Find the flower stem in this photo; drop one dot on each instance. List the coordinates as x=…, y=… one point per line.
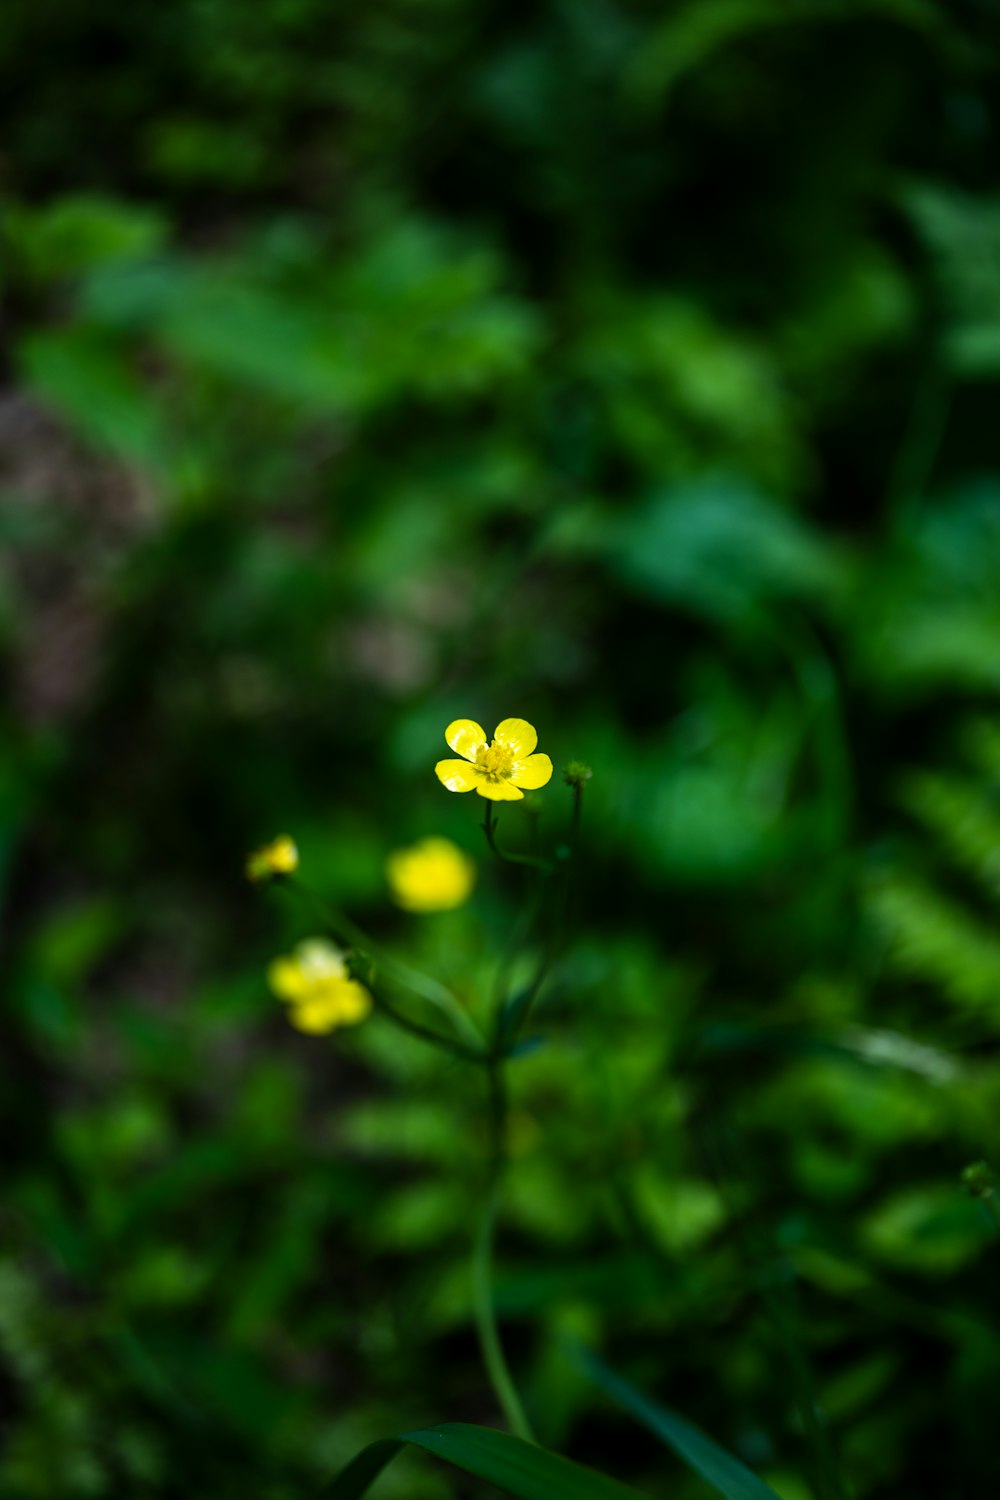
x=427, y=1033
x=568, y=913
x=574, y=827
x=412, y=979
x=482, y=1264
x=561, y=927
x=489, y=828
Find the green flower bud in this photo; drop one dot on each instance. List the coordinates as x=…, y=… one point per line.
x=577, y=774
x=979, y=1180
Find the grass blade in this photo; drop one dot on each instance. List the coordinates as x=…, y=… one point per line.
x=517, y=1467
x=717, y=1467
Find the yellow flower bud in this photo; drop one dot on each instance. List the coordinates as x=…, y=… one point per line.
x=280, y=857
x=432, y=875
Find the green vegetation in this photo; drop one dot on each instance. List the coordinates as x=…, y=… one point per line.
x=630, y=368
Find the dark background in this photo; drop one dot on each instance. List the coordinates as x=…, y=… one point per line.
x=629, y=367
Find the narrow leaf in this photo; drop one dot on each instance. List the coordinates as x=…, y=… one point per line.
x=720, y=1469
x=514, y=1011
x=515, y=1466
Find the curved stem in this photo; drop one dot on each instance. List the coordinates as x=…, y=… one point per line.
x=559, y=930
x=412, y=979
x=427, y=1033
x=482, y=1265
x=573, y=860
x=489, y=828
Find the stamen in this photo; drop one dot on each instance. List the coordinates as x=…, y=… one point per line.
x=495, y=761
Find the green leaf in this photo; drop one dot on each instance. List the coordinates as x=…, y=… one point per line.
x=91, y=384
x=515, y=1466
x=80, y=232
x=690, y=38
x=723, y=551
x=514, y=1011
x=717, y=1467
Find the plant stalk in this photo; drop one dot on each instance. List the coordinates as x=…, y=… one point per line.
x=482, y=1264
x=489, y=829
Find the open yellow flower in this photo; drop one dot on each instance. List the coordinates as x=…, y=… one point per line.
x=279, y=857
x=503, y=770
x=320, y=994
x=432, y=875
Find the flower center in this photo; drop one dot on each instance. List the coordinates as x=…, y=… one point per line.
x=495, y=761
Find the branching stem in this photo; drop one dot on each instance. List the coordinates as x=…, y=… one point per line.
x=489, y=828
x=342, y=927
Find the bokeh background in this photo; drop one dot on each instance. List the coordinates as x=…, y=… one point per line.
x=630, y=367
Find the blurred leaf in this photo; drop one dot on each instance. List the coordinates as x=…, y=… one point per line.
x=688, y=38
x=935, y=616
x=363, y=341
x=682, y=1213
x=80, y=232
x=516, y=1467
x=717, y=1467
x=722, y=551
x=931, y=1229
x=90, y=382
x=712, y=801
x=932, y=938
x=74, y=939
x=963, y=234
x=685, y=394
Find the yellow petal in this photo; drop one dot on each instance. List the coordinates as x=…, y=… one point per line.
x=283, y=855
x=338, y=1002
x=518, y=735
x=499, y=791
x=279, y=857
x=465, y=736
x=287, y=980
x=532, y=772
x=354, y=1001
x=320, y=960
x=457, y=775
x=315, y=1016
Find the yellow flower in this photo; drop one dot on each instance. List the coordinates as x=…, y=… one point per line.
x=320, y=993
x=502, y=770
x=279, y=857
x=432, y=875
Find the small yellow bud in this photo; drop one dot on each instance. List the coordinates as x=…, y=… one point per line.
x=279, y=857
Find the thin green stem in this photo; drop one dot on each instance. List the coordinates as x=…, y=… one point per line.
x=427, y=1033
x=489, y=828
x=482, y=1264
x=560, y=928
x=482, y=1261
x=519, y=933
x=420, y=984
x=573, y=861
x=921, y=443
x=574, y=827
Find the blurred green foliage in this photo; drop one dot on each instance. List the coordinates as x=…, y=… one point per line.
x=629, y=367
